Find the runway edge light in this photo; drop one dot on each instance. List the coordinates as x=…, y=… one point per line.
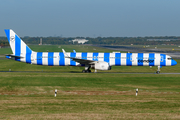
x=55, y=93
x=136, y=91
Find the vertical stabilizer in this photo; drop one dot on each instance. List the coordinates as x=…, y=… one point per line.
x=18, y=47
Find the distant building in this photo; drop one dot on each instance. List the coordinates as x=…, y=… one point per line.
x=40, y=41
x=82, y=41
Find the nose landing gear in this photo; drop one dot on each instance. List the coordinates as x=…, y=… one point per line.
x=158, y=70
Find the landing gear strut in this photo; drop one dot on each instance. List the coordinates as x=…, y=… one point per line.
x=87, y=69
x=158, y=70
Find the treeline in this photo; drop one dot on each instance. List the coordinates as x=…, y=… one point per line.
x=3, y=41
x=133, y=40
x=98, y=40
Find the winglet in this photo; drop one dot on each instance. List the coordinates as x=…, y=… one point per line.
x=65, y=53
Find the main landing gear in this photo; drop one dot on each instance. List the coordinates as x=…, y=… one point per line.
x=158, y=70
x=87, y=69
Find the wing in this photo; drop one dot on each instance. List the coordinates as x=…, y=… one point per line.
x=79, y=60
x=82, y=61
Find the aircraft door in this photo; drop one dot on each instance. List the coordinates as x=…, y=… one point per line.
x=33, y=58
x=162, y=60
x=131, y=58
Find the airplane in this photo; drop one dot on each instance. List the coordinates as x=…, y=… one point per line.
x=98, y=61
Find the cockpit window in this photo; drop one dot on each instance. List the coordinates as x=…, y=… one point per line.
x=169, y=58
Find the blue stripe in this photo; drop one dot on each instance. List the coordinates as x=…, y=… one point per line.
x=129, y=59
x=39, y=58
x=61, y=59
x=73, y=63
x=106, y=57
x=28, y=55
x=50, y=58
x=117, y=58
x=17, y=47
x=28, y=50
x=140, y=59
x=8, y=34
x=95, y=56
x=162, y=60
x=151, y=59
x=84, y=56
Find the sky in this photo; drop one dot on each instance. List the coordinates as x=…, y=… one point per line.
x=90, y=18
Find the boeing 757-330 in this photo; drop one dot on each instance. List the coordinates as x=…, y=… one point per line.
x=90, y=60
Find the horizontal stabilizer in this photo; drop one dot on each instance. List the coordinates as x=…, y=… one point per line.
x=12, y=56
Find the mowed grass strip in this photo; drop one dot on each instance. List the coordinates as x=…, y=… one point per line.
x=147, y=105
x=102, y=81
x=90, y=107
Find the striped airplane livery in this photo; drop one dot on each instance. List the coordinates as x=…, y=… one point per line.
x=98, y=61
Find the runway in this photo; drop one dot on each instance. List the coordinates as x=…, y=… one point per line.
x=83, y=73
x=173, y=54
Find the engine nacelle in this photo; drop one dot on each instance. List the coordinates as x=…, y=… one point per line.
x=101, y=66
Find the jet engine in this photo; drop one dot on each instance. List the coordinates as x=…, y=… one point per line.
x=101, y=66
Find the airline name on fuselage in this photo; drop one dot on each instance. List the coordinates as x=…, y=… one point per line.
x=146, y=61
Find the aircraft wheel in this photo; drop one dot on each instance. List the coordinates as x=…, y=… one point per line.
x=158, y=72
x=86, y=71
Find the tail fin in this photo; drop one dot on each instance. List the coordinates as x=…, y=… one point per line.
x=18, y=47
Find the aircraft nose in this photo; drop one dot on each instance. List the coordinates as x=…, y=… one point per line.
x=173, y=62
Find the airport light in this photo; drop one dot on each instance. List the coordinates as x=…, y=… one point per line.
x=136, y=91
x=55, y=93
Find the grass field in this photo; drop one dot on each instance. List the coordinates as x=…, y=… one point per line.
x=30, y=95
x=58, y=48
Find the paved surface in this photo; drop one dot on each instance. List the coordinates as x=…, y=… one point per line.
x=83, y=73
x=174, y=54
